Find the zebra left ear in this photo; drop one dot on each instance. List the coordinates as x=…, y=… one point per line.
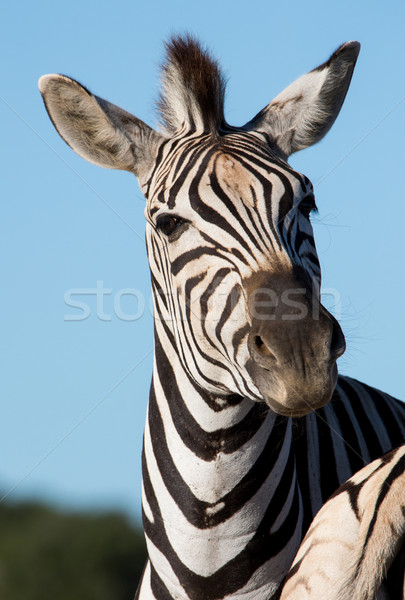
x=102, y=133
x=305, y=111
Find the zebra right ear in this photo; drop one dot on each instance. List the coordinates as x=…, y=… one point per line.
x=97, y=130
x=305, y=111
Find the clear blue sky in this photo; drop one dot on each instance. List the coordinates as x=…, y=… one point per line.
x=74, y=393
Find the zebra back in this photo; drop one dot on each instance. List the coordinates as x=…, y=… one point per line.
x=354, y=538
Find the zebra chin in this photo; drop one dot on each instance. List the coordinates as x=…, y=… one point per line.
x=294, y=395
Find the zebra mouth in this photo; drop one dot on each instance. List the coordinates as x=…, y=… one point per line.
x=292, y=393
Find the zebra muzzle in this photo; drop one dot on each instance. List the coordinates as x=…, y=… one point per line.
x=293, y=357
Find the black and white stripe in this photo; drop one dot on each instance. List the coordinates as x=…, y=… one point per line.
x=248, y=430
x=259, y=478
x=355, y=539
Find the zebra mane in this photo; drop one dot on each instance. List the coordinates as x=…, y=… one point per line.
x=193, y=88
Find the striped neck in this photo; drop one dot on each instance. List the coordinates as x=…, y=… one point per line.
x=221, y=504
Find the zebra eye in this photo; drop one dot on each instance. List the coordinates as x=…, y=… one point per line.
x=307, y=205
x=167, y=224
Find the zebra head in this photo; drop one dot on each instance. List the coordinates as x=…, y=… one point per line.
x=235, y=273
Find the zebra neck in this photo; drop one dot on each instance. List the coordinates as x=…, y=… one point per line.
x=219, y=487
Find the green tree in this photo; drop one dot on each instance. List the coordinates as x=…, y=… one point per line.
x=49, y=554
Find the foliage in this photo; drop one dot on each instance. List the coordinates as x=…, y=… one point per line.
x=49, y=554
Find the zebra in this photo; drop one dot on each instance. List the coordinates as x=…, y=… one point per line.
x=249, y=430
x=355, y=538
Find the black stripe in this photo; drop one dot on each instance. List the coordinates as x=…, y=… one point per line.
x=230, y=206
x=362, y=418
x=300, y=440
x=327, y=460
x=237, y=253
x=195, y=254
x=176, y=186
x=205, y=444
x=349, y=435
x=205, y=297
x=196, y=511
x=159, y=589
x=231, y=302
x=382, y=405
x=188, y=153
x=191, y=283
x=397, y=471
x=209, y=214
x=236, y=573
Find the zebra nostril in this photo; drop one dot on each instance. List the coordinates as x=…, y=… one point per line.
x=261, y=346
x=338, y=343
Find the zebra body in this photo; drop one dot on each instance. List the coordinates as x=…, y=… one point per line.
x=261, y=488
x=244, y=441
x=354, y=538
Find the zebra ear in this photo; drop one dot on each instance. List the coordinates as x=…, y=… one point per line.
x=305, y=111
x=97, y=130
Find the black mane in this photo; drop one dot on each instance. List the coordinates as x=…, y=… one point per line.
x=193, y=88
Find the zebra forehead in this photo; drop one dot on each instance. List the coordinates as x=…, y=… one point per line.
x=235, y=179
x=239, y=166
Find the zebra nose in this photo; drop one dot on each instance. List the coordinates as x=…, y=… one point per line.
x=290, y=343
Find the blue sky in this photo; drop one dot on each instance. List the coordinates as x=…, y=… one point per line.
x=74, y=392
